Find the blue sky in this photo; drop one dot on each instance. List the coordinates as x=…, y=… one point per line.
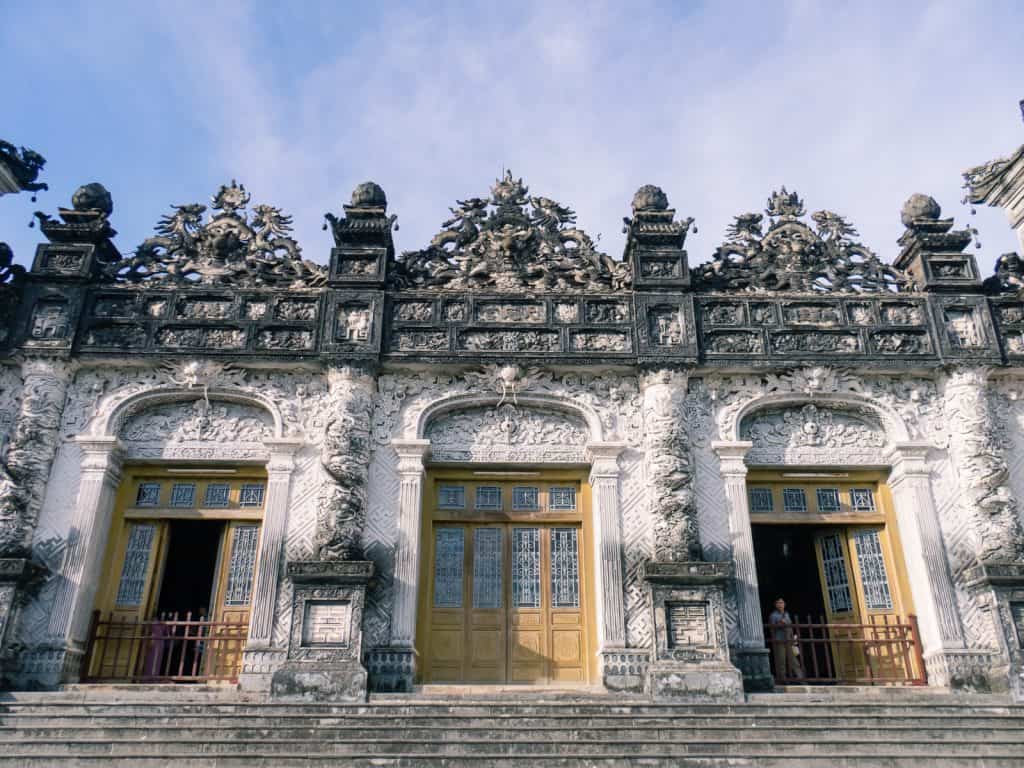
x=855, y=105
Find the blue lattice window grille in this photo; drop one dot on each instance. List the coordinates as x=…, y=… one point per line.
x=217, y=495
x=526, y=497
x=148, y=495
x=873, y=574
x=761, y=500
x=525, y=567
x=451, y=497
x=828, y=499
x=862, y=499
x=488, y=568
x=565, y=568
x=448, y=563
x=244, y=540
x=183, y=494
x=794, y=500
x=562, y=498
x=136, y=563
x=488, y=497
x=251, y=495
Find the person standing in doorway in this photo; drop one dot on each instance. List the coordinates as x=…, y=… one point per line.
x=784, y=649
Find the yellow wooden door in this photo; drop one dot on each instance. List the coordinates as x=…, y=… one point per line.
x=528, y=615
x=841, y=605
x=232, y=598
x=446, y=640
x=568, y=661
x=486, y=626
x=878, y=603
x=119, y=650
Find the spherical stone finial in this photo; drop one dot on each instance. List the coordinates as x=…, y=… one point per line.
x=369, y=194
x=650, y=198
x=93, y=197
x=919, y=206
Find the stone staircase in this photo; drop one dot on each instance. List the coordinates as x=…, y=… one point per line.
x=199, y=728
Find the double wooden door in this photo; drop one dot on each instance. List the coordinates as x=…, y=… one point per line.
x=506, y=604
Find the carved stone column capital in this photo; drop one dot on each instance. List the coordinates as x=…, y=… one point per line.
x=604, y=459
x=101, y=454
x=731, y=454
x=282, y=454
x=411, y=455
x=909, y=459
x=664, y=377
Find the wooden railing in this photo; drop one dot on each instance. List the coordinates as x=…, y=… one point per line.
x=885, y=651
x=166, y=649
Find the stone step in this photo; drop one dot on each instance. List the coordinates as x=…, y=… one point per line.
x=521, y=748
x=256, y=760
x=664, y=732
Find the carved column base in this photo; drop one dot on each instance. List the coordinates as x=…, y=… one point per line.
x=755, y=667
x=45, y=667
x=16, y=573
x=392, y=670
x=325, y=647
x=1004, y=585
x=970, y=670
x=625, y=669
x=691, y=651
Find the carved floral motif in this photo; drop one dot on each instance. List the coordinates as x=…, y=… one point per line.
x=200, y=421
x=507, y=433
x=500, y=244
x=813, y=435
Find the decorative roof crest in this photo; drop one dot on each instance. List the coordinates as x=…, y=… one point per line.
x=22, y=167
x=791, y=256
x=229, y=249
x=498, y=245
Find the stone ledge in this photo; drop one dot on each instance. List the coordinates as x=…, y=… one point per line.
x=686, y=572
x=332, y=571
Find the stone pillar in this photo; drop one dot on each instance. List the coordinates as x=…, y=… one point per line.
x=260, y=660
x=87, y=541
x=394, y=668
x=750, y=653
x=611, y=613
x=947, y=660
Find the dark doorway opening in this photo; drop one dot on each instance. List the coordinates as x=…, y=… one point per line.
x=787, y=567
x=190, y=568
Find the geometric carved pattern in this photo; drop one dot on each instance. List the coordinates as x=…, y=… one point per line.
x=379, y=541
x=638, y=546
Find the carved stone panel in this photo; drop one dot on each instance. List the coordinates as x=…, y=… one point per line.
x=197, y=429
x=508, y=434
x=813, y=435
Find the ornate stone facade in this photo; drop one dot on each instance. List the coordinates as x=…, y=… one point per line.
x=511, y=343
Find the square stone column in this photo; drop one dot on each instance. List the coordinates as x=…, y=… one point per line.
x=394, y=668
x=750, y=652
x=83, y=560
x=259, y=660
x=691, y=647
x=618, y=669
x=325, y=646
x=947, y=660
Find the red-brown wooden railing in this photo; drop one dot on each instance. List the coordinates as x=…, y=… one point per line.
x=885, y=651
x=166, y=649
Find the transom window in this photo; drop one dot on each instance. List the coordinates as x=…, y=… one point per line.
x=488, y=497
x=217, y=495
x=251, y=495
x=794, y=500
x=526, y=497
x=148, y=495
x=829, y=498
x=200, y=494
x=862, y=500
x=562, y=498
x=451, y=496
x=761, y=500
x=183, y=495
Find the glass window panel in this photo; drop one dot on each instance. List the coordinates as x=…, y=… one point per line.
x=448, y=556
x=794, y=500
x=872, y=570
x=148, y=495
x=136, y=562
x=562, y=498
x=451, y=497
x=525, y=567
x=761, y=500
x=183, y=494
x=828, y=499
x=243, y=563
x=216, y=495
x=488, y=497
x=836, y=582
x=251, y=495
x=565, y=568
x=487, y=568
x=862, y=499
x=525, y=497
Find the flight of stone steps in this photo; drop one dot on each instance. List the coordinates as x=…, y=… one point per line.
x=193, y=729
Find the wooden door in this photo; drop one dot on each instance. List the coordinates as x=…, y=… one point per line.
x=446, y=640
x=841, y=605
x=232, y=598
x=565, y=598
x=528, y=615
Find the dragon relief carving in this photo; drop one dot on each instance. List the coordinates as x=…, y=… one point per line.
x=790, y=256
x=975, y=447
x=499, y=245
x=345, y=456
x=229, y=249
x=669, y=470
x=24, y=165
